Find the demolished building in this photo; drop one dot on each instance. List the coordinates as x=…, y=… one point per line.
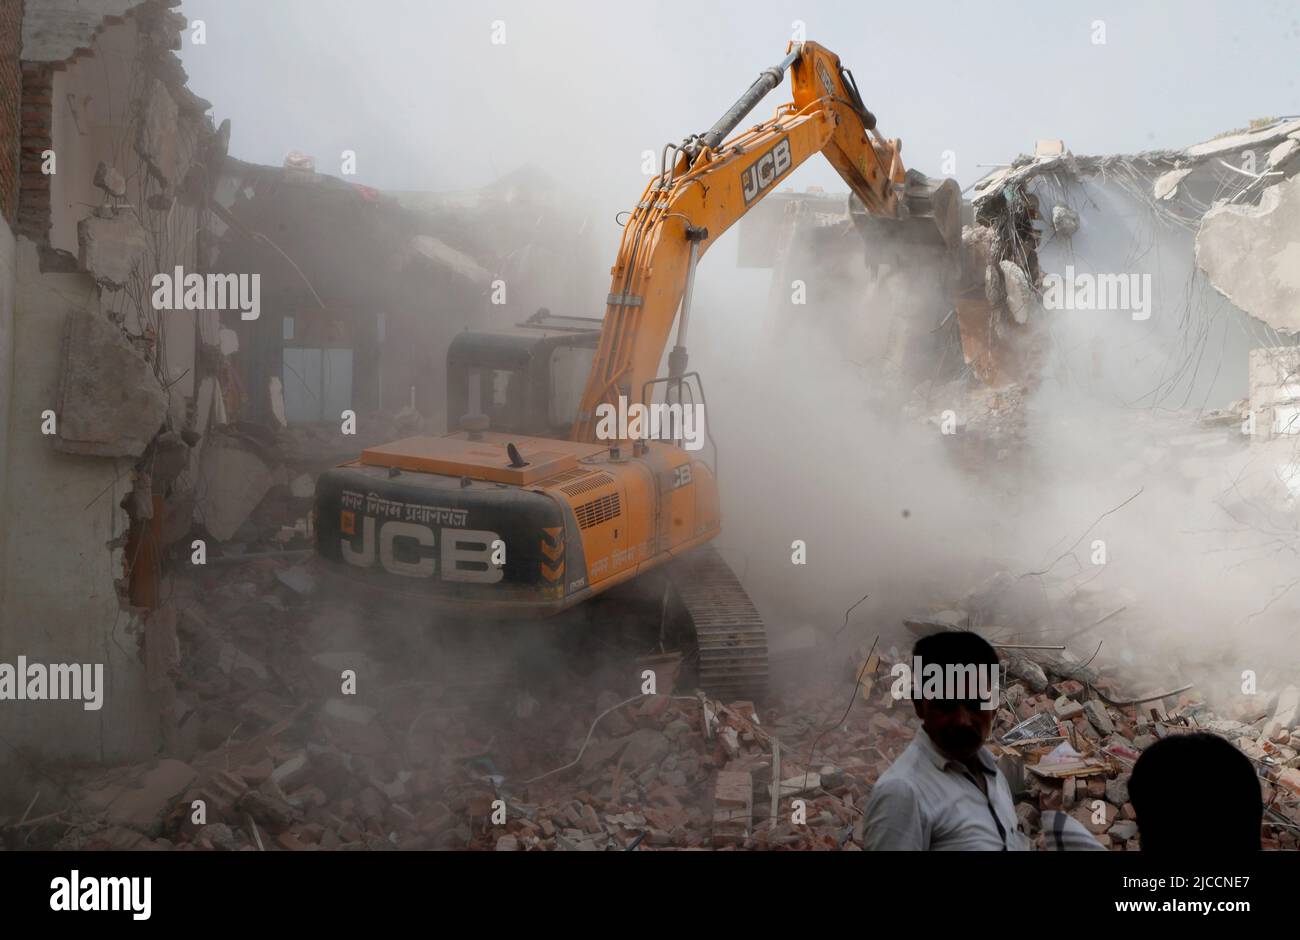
x=145, y=426
x=113, y=155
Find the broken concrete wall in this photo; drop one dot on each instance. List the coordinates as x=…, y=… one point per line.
x=1251, y=254
x=1132, y=317
x=1175, y=341
x=109, y=400
x=96, y=371
x=58, y=30
x=97, y=120
x=62, y=518
x=357, y=288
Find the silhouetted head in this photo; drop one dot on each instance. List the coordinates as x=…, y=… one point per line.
x=1196, y=793
x=958, y=723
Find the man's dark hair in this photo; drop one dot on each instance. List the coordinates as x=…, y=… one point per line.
x=955, y=648
x=1196, y=793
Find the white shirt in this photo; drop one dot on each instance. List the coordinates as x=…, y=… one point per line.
x=928, y=802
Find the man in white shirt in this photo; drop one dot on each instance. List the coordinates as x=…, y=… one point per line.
x=945, y=792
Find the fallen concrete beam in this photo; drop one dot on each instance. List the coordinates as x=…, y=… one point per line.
x=111, y=404
x=233, y=478
x=110, y=247
x=1251, y=254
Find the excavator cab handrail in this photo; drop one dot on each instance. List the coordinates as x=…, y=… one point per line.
x=680, y=381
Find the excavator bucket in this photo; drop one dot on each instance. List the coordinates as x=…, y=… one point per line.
x=930, y=216
x=937, y=202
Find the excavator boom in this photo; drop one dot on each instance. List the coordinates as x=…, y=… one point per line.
x=708, y=183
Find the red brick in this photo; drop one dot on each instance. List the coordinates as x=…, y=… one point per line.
x=11, y=93
x=733, y=801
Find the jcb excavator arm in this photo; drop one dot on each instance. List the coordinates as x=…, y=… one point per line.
x=708, y=185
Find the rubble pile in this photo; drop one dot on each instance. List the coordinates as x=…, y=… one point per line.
x=307, y=728
x=990, y=427
x=282, y=757
x=1078, y=750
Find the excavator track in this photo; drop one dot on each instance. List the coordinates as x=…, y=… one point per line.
x=730, y=635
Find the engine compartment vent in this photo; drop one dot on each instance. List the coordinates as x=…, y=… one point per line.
x=577, y=473
x=601, y=509
x=593, y=480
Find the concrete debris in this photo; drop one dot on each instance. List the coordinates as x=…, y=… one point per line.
x=1021, y=298
x=991, y=420
x=111, y=247
x=1065, y=220
x=1251, y=254
x=144, y=797
x=1166, y=184
x=111, y=405
x=803, y=783
x=430, y=249
x=156, y=131
x=168, y=456
x=1283, y=152
x=303, y=486
x=233, y=658
x=1286, y=715
x=1096, y=713
x=298, y=580
x=288, y=775
x=1066, y=708
x=644, y=747
x=1117, y=789
x=1234, y=142
x=110, y=180
x=233, y=478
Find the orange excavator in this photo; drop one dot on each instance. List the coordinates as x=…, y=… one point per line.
x=552, y=492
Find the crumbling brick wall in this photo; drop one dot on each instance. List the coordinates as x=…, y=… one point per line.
x=11, y=83
x=36, y=138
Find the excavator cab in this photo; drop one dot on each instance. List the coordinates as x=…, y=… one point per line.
x=527, y=380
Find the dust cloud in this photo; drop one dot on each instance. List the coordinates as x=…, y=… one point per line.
x=1140, y=539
